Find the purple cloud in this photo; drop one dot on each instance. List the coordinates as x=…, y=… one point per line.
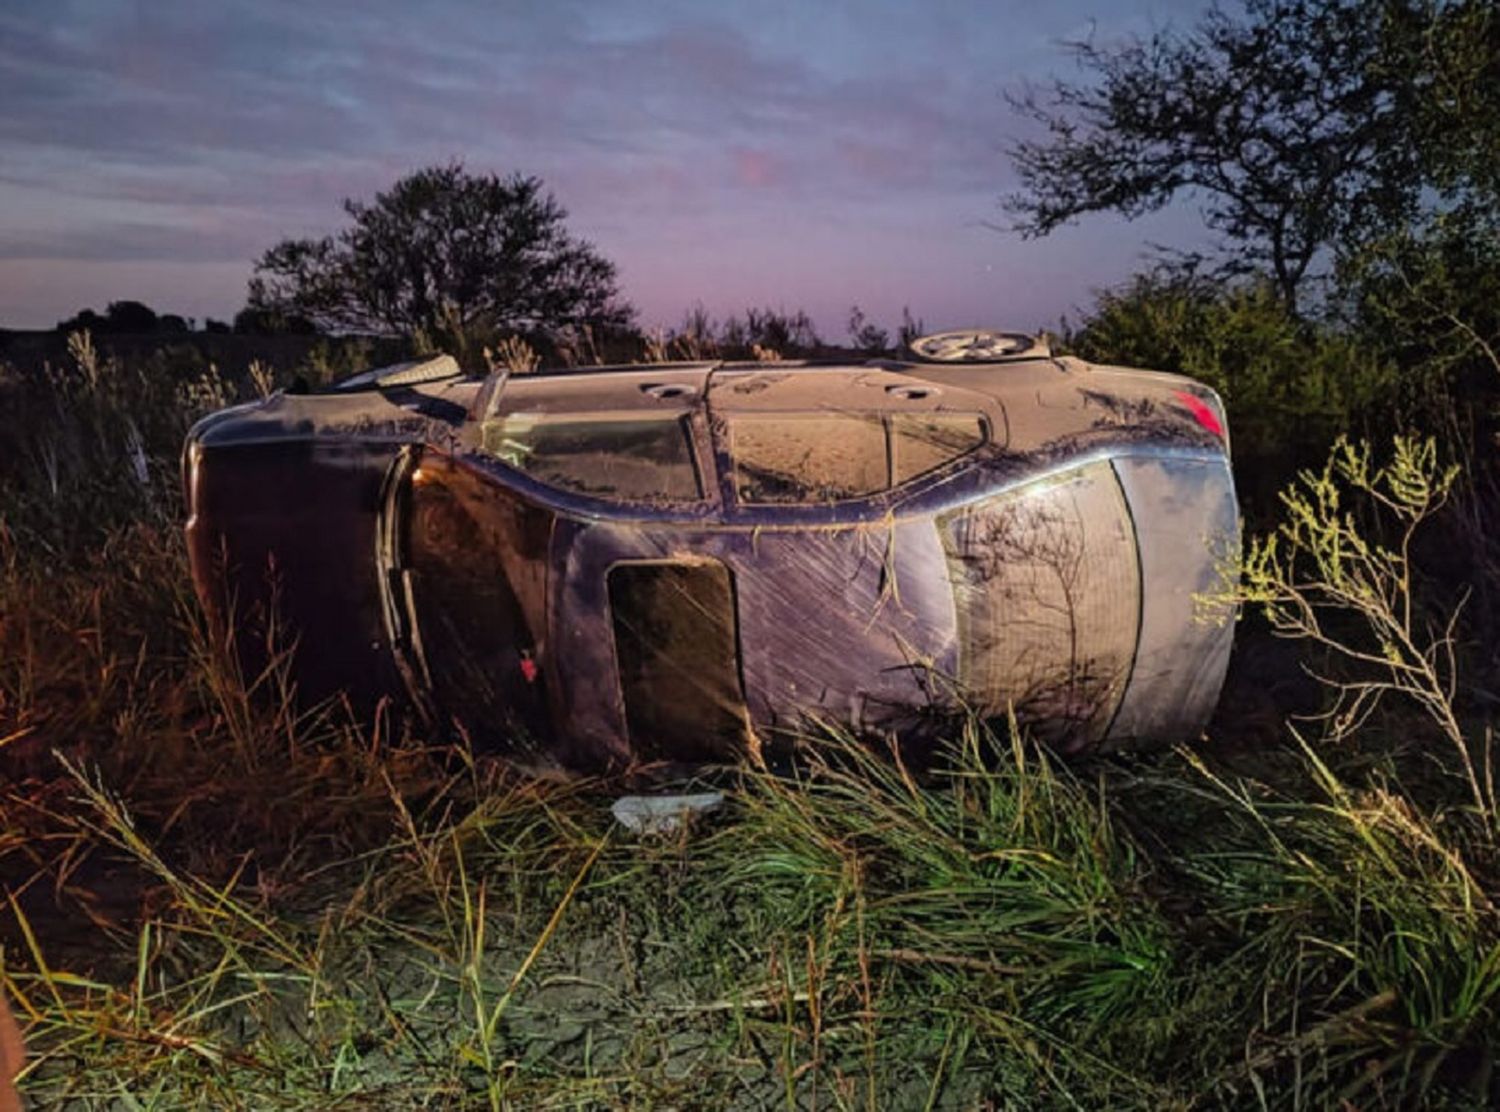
x=815, y=155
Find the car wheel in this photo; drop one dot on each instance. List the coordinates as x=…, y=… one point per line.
x=970, y=345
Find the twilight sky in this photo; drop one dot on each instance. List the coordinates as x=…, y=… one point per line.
x=794, y=154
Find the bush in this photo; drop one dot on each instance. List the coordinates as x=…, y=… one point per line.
x=1291, y=387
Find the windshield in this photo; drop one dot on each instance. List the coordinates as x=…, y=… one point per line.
x=626, y=457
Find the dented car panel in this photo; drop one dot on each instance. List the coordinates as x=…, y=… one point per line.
x=683, y=563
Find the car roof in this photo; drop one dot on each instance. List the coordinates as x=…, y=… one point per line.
x=781, y=386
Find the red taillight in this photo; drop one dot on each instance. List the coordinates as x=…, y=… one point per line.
x=1203, y=412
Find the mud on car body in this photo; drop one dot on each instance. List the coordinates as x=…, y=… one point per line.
x=680, y=562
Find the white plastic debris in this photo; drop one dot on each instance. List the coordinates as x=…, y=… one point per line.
x=661, y=814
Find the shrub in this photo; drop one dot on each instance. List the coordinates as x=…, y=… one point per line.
x=1291, y=387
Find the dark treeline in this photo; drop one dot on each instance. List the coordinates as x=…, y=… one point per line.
x=135, y=318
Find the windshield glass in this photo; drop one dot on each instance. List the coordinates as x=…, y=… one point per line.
x=629, y=457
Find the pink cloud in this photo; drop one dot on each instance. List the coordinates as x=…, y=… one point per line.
x=756, y=168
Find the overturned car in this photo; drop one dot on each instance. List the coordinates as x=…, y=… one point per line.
x=616, y=566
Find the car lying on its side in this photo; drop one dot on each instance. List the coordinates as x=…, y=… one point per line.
x=616, y=566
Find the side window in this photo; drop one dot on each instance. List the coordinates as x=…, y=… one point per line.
x=808, y=459
x=923, y=442
x=781, y=458
x=630, y=457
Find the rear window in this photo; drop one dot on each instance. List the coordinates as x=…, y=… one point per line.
x=793, y=458
x=923, y=442
x=634, y=457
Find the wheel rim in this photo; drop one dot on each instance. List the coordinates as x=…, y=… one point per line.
x=969, y=345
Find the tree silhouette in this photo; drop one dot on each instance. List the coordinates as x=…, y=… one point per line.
x=446, y=255
x=271, y=321
x=866, y=335
x=120, y=317
x=1286, y=119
